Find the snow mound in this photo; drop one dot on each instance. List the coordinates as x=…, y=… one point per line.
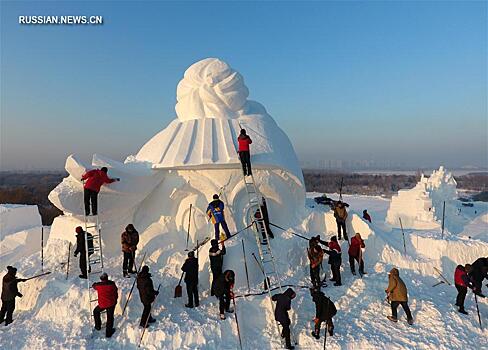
x=16, y=217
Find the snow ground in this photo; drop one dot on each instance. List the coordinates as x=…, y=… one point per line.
x=53, y=312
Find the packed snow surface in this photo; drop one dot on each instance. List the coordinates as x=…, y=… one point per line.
x=53, y=312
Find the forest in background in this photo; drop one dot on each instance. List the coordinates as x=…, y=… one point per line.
x=34, y=187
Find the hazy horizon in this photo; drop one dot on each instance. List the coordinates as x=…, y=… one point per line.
x=377, y=84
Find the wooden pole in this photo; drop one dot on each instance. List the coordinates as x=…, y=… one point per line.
x=403, y=234
x=443, y=216
x=188, y=233
x=245, y=265
x=69, y=254
x=42, y=248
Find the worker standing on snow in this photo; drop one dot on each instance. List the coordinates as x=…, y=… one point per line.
x=129, y=240
x=355, y=253
x=366, y=215
x=244, y=154
x=147, y=293
x=283, y=305
x=222, y=287
x=10, y=291
x=190, y=268
x=335, y=260
x=107, y=299
x=340, y=214
x=462, y=282
x=216, y=256
x=397, y=294
x=315, y=255
x=93, y=181
x=215, y=212
x=81, y=249
x=324, y=311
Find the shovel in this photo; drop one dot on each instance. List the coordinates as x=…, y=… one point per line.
x=178, y=288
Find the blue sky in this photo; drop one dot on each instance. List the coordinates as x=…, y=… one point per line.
x=400, y=82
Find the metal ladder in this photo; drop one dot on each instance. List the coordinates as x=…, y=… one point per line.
x=264, y=247
x=94, y=261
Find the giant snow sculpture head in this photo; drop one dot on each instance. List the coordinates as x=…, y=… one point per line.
x=201, y=146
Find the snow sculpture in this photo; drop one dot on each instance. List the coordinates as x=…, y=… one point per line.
x=421, y=207
x=187, y=162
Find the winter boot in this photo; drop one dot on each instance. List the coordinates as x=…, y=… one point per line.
x=189, y=305
x=337, y=284
x=229, y=310
x=126, y=274
x=110, y=332
x=315, y=334
x=462, y=311
x=83, y=276
x=354, y=272
x=392, y=319
x=151, y=319
x=222, y=317
x=410, y=321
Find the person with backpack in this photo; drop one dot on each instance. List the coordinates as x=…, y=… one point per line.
x=462, y=282
x=147, y=293
x=324, y=311
x=93, y=180
x=190, y=268
x=283, y=305
x=81, y=249
x=340, y=214
x=397, y=294
x=129, y=240
x=355, y=253
x=10, y=291
x=216, y=256
x=107, y=300
x=335, y=260
x=315, y=255
x=223, y=287
x=215, y=212
x=244, y=154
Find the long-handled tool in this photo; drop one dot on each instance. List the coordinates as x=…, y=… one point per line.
x=36, y=276
x=188, y=232
x=69, y=254
x=245, y=265
x=237, y=320
x=478, y=310
x=133, y=284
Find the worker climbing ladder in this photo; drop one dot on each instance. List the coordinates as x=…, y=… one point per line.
x=262, y=239
x=94, y=259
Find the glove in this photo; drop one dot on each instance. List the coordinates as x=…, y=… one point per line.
x=156, y=293
x=19, y=295
x=117, y=179
x=21, y=279
x=76, y=254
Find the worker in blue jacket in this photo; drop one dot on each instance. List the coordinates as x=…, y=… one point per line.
x=215, y=212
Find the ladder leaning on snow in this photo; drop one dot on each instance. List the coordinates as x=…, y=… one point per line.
x=262, y=239
x=94, y=260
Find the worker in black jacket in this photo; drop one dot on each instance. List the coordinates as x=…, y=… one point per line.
x=324, y=311
x=283, y=305
x=81, y=249
x=147, y=293
x=190, y=267
x=216, y=256
x=479, y=271
x=223, y=289
x=9, y=292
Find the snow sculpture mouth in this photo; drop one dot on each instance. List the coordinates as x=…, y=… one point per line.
x=210, y=89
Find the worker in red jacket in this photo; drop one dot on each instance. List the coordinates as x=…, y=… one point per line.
x=355, y=253
x=107, y=299
x=462, y=282
x=244, y=141
x=93, y=181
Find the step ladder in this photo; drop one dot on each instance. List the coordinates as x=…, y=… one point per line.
x=94, y=260
x=262, y=240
